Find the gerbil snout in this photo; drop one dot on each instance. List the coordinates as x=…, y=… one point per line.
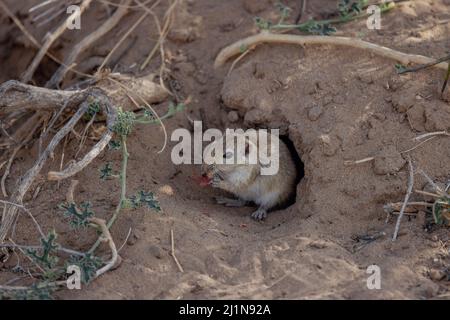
x=207, y=171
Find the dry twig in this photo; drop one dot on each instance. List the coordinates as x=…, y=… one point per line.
x=408, y=194
x=267, y=37
x=172, y=252
x=14, y=95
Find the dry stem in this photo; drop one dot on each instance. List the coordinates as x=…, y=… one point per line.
x=267, y=37
x=172, y=252
x=408, y=194
x=18, y=95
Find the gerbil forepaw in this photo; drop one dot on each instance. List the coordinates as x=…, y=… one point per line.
x=228, y=202
x=216, y=181
x=259, y=214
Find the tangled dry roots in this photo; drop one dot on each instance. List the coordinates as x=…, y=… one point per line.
x=16, y=96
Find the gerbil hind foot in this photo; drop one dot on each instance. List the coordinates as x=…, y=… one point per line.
x=228, y=202
x=259, y=214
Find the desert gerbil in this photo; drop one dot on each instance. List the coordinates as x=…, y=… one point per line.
x=245, y=181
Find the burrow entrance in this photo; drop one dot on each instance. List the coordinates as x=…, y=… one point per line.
x=299, y=166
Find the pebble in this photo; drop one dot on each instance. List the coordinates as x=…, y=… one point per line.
x=155, y=251
x=233, y=116
x=437, y=275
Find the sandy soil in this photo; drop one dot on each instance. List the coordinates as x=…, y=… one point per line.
x=334, y=104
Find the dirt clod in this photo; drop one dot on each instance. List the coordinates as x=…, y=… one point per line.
x=437, y=274
x=388, y=161
x=403, y=100
x=315, y=112
x=233, y=116
x=156, y=251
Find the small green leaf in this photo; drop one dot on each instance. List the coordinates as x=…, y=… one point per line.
x=88, y=265
x=399, y=67
x=318, y=28
x=262, y=24
x=349, y=8
x=106, y=171
x=78, y=219
x=145, y=198
x=149, y=114
x=124, y=122
x=44, y=257
x=174, y=108
x=93, y=109
x=114, y=145
x=442, y=211
x=37, y=291
x=285, y=11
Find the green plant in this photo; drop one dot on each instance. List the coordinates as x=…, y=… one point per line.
x=93, y=109
x=125, y=122
x=347, y=11
x=348, y=8
x=318, y=28
x=106, y=171
x=402, y=69
x=114, y=145
x=399, y=68
x=441, y=211
x=46, y=257
x=78, y=218
x=284, y=11
x=145, y=198
x=88, y=265
x=37, y=291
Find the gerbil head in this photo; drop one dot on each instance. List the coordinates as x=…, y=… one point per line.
x=229, y=155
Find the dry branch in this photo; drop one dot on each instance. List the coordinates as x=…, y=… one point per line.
x=172, y=252
x=15, y=96
x=266, y=37
x=34, y=122
x=25, y=183
x=104, y=228
x=107, y=235
x=142, y=89
x=13, y=93
x=76, y=167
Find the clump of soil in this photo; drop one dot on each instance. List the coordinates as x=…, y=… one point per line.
x=334, y=105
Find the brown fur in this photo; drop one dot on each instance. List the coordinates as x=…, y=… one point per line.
x=246, y=182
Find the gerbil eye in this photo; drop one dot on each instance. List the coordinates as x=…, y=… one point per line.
x=228, y=155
